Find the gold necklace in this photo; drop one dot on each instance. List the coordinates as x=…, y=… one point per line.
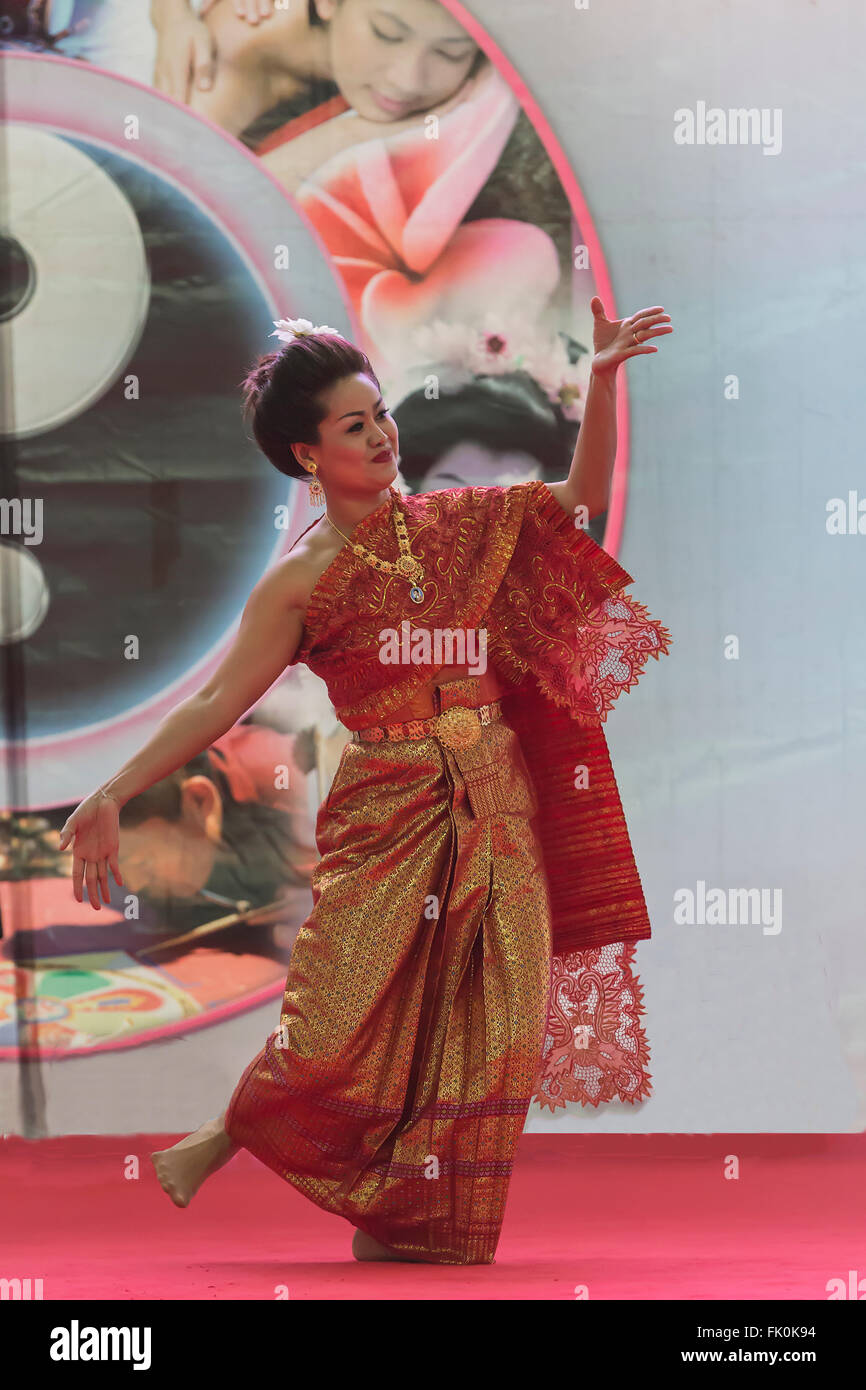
x=409, y=567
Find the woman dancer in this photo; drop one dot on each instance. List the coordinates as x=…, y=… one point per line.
x=395, y=1088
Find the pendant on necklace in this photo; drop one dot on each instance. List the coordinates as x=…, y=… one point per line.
x=416, y=593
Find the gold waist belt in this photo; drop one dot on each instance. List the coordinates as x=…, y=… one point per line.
x=458, y=727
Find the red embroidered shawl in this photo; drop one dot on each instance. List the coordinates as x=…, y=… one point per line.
x=561, y=636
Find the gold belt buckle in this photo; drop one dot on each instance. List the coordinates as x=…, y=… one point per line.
x=458, y=727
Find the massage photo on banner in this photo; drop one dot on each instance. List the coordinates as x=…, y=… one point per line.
x=391, y=388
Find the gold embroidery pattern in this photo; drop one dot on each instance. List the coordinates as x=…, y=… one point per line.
x=465, y=537
x=560, y=615
x=396, y=1089
x=567, y=642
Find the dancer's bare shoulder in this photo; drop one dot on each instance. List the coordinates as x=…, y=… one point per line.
x=305, y=564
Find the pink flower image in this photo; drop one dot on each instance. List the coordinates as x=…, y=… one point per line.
x=391, y=213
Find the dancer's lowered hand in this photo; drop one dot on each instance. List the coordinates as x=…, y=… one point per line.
x=94, y=826
x=615, y=340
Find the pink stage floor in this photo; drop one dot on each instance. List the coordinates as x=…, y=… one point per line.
x=624, y=1217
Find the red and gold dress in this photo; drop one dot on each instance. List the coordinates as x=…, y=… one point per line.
x=475, y=908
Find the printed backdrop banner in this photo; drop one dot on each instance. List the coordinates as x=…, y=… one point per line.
x=449, y=185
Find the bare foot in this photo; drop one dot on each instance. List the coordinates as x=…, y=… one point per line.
x=182, y=1169
x=364, y=1247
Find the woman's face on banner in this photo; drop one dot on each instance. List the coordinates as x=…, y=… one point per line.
x=392, y=58
x=468, y=464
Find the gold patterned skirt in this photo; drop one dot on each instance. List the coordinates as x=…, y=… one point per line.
x=395, y=1089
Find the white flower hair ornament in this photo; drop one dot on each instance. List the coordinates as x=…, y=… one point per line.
x=287, y=330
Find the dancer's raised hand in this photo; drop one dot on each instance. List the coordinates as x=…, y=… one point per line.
x=615, y=340
x=94, y=826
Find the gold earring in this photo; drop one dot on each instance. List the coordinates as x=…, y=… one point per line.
x=317, y=492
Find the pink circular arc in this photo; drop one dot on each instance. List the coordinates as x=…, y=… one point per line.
x=616, y=506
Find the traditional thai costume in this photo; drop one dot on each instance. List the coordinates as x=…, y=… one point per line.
x=475, y=869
